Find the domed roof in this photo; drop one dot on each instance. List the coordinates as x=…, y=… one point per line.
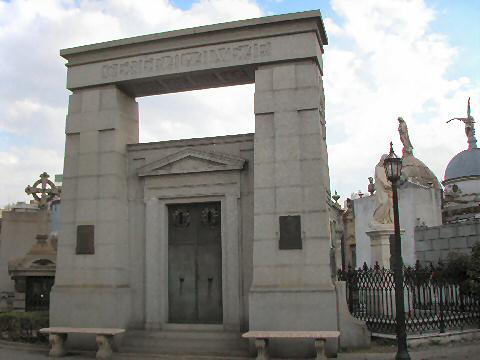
x=465, y=163
x=415, y=170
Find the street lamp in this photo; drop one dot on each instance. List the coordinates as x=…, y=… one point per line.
x=393, y=170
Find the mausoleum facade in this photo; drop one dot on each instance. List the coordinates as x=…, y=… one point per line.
x=232, y=232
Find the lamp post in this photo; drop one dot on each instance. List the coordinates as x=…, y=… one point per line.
x=393, y=170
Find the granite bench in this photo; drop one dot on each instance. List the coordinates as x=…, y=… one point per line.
x=58, y=335
x=262, y=337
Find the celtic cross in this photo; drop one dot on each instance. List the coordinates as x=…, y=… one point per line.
x=43, y=190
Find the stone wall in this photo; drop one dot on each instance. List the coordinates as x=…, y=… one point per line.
x=436, y=242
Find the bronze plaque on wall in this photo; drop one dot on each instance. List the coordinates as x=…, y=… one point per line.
x=290, y=233
x=85, y=240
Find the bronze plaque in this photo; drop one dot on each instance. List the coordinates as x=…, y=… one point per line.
x=85, y=240
x=290, y=233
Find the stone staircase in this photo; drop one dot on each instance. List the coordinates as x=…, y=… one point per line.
x=190, y=344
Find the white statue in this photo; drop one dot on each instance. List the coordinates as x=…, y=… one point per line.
x=469, y=127
x=383, y=213
x=404, y=138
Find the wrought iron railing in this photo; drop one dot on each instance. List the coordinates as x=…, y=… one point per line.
x=432, y=302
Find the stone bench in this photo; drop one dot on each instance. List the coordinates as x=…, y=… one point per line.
x=262, y=337
x=58, y=336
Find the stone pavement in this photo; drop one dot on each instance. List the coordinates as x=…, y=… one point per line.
x=454, y=351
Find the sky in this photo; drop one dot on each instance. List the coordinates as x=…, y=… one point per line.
x=419, y=59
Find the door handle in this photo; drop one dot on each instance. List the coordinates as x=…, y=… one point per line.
x=210, y=281
x=181, y=279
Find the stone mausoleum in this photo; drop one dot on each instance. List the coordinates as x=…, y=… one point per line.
x=221, y=234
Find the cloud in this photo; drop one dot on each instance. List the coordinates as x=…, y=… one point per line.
x=383, y=61
x=192, y=114
x=33, y=98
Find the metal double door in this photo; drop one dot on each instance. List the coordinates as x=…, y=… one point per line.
x=37, y=297
x=195, y=263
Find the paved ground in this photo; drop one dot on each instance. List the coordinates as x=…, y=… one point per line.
x=454, y=351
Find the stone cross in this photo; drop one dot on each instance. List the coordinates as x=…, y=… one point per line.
x=43, y=190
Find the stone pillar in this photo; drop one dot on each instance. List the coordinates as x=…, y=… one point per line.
x=153, y=266
x=291, y=289
x=93, y=289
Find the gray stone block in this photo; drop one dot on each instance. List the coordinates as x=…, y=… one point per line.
x=444, y=254
x=467, y=229
x=307, y=75
x=465, y=251
x=431, y=256
x=458, y=242
x=264, y=79
x=472, y=240
x=284, y=77
x=448, y=231
x=424, y=245
x=264, y=126
x=440, y=244
x=432, y=233
x=421, y=256
x=419, y=234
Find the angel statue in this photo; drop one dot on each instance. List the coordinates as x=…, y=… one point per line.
x=469, y=127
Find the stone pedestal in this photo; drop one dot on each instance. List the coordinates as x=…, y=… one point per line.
x=382, y=300
x=380, y=245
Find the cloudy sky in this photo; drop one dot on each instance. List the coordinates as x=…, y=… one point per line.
x=411, y=58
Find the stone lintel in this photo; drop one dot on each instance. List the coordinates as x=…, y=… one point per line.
x=176, y=39
x=221, y=55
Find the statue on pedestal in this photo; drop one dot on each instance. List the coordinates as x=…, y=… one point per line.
x=383, y=214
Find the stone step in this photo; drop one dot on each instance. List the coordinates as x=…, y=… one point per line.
x=156, y=356
x=185, y=342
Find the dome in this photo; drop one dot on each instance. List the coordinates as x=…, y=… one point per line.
x=465, y=163
x=415, y=170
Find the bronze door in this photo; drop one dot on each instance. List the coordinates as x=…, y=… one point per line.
x=195, y=263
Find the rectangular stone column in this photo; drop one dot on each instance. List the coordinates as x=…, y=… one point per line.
x=93, y=289
x=292, y=289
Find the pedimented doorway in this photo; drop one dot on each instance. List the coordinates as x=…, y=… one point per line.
x=195, y=263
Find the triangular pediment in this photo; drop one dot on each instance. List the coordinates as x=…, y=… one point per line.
x=191, y=161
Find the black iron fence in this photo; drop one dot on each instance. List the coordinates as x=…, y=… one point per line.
x=432, y=301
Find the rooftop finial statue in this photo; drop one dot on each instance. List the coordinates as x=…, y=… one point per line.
x=404, y=138
x=469, y=127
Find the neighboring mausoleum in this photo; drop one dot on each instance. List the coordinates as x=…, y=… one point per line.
x=28, y=241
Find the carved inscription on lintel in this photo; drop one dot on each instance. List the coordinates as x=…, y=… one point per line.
x=177, y=61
